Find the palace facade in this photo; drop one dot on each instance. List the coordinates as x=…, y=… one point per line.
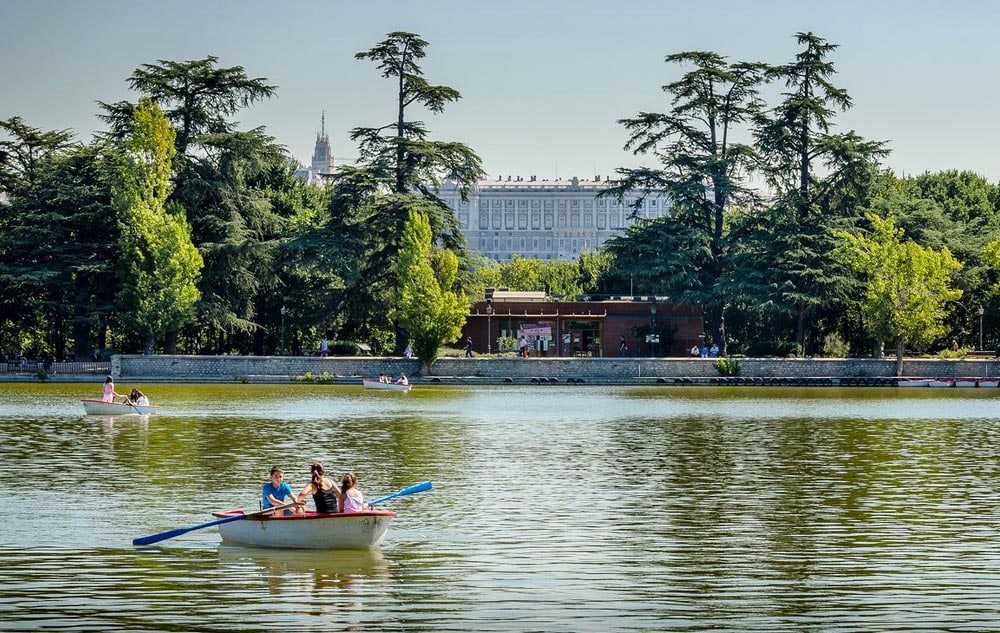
x=545, y=219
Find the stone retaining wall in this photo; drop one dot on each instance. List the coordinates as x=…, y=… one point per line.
x=237, y=368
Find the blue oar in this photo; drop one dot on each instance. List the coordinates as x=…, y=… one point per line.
x=405, y=491
x=162, y=536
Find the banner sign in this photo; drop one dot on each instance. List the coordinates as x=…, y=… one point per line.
x=535, y=330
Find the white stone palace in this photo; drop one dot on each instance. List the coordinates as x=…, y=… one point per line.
x=544, y=219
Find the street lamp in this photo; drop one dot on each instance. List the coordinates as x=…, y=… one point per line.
x=489, y=328
x=284, y=311
x=654, y=338
x=981, y=311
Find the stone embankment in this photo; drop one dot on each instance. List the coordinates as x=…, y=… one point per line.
x=513, y=370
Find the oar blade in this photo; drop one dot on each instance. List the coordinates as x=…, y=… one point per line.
x=156, y=538
x=421, y=487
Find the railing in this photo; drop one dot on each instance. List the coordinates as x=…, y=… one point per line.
x=33, y=367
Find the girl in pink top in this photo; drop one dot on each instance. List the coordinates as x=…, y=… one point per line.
x=109, y=391
x=351, y=499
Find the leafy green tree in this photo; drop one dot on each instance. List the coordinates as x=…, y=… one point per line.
x=222, y=178
x=702, y=169
x=427, y=306
x=906, y=285
x=927, y=207
x=160, y=264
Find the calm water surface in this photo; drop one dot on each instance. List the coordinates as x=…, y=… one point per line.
x=554, y=508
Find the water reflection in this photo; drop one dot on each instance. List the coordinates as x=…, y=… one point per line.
x=556, y=509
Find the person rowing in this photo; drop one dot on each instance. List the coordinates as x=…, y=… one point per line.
x=325, y=493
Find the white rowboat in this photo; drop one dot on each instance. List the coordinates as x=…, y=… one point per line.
x=311, y=530
x=99, y=407
x=371, y=383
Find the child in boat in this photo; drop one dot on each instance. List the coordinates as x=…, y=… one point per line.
x=276, y=490
x=325, y=493
x=351, y=499
x=402, y=380
x=140, y=398
x=109, y=393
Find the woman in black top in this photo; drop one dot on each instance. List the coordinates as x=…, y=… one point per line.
x=325, y=493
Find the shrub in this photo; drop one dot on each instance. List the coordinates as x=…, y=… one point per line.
x=786, y=349
x=727, y=367
x=344, y=348
x=835, y=347
x=953, y=354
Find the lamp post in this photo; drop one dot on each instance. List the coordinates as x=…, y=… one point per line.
x=654, y=338
x=284, y=311
x=981, y=311
x=489, y=328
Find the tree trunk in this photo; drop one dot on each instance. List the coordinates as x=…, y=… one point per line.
x=800, y=331
x=899, y=356
x=170, y=342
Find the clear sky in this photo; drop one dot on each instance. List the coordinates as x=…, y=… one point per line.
x=543, y=81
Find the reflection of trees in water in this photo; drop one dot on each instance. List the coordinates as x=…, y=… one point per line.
x=325, y=581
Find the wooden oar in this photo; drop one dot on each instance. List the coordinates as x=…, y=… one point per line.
x=162, y=536
x=426, y=485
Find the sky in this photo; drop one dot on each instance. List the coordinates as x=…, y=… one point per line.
x=543, y=82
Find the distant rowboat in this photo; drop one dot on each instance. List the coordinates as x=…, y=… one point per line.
x=99, y=407
x=372, y=383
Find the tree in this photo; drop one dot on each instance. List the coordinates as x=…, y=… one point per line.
x=160, y=264
x=221, y=180
x=906, y=285
x=56, y=270
x=427, y=307
x=416, y=162
x=783, y=264
x=397, y=164
x=702, y=171
x=197, y=96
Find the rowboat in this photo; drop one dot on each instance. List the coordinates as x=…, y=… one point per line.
x=941, y=382
x=310, y=530
x=988, y=383
x=99, y=407
x=914, y=382
x=966, y=382
x=371, y=383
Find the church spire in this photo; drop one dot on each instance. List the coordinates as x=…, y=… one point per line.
x=322, y=159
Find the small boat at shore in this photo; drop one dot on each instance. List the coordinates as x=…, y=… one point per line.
x=374, y=383
x=311, y=530
x=99, y=407
x=914, y=382
x=982, y=383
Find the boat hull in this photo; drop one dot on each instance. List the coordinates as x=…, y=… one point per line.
x=99, y=407
x=312, y=530
x=385, y=386
x=913, y=383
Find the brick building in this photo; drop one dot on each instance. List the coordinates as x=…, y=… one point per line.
x=651, y=326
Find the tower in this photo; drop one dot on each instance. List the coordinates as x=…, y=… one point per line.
x=322, y=159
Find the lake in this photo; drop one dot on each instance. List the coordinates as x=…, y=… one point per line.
x=554, y=508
